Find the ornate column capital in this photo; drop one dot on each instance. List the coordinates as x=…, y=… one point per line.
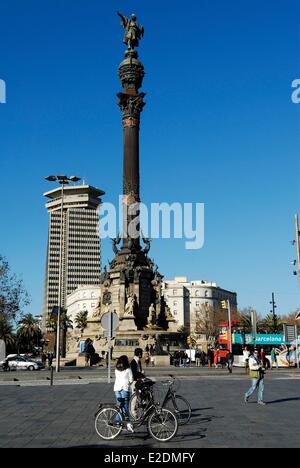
x=131, y=107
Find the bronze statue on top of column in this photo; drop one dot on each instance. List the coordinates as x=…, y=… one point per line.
x=133, y=32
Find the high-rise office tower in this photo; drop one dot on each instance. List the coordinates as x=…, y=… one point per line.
x=73, y=253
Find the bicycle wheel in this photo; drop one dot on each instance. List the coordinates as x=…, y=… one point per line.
x=162, y=425
x=181, y=408
x=108, y=423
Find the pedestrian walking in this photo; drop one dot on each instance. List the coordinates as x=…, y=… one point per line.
x=50, y=359
x=216, y=358
x=183, y=358
x=123, y=381
x=274, y=358
x=229, y=360
x=198, y=357
x=147, y=358
x=210, y=357
x=203, y=358
x=176, y=359
x=257, y=374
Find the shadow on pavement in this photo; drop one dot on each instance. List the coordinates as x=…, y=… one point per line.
x=282, y=400
x=201, y=409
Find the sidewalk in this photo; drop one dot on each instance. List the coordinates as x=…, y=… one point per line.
x=85, y=375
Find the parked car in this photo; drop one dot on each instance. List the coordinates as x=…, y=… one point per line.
x=18, y=362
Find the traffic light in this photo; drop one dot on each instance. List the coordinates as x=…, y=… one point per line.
x=191, y=341
x=224, y=305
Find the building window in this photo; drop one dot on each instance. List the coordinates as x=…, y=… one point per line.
x=197, y=304
x=197, y=293
x=175, y=303
x=174, y=292
x=174, y=312
x=206, y=294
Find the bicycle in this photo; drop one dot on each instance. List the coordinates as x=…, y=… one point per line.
x=177, y=403
x=162, y=424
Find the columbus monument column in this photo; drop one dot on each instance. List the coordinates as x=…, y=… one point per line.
x=132, y=284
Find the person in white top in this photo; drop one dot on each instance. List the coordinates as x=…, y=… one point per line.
x=246, y=359
x=123, y=381
x=257, y=375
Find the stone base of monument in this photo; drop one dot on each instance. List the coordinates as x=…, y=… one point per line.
x=127, y=324
x=161, y=360
x=126, y=341
x=172, y=326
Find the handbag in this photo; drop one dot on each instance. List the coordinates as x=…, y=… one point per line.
x=254, y=374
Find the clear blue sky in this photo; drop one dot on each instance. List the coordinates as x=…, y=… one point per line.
x=219, y=128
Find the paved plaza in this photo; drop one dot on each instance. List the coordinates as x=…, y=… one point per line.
x=63, y=415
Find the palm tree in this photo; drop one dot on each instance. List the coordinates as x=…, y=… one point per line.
x=81, y=320
x=244, y=317
x=65, y=320
x=28, y=331
x=50, y=324
x=271, y=324
x=65, y=323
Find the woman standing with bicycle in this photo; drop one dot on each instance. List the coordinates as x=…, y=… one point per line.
x=124, y=379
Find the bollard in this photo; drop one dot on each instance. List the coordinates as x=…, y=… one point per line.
x=51, y=380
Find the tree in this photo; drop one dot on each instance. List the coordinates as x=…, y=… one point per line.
x=13, y=296
x=65, y=320
x=290, y=319
x=267, y=324
x=6, y=331
x=244, y=316
x=208, y=321
x=81, y=320
x=28, y=332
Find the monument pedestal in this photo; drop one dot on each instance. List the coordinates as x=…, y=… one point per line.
x=127, y=324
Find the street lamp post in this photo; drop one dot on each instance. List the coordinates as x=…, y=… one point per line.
x=229, y=322
x=62, y=180
x=275, y=323
x=225, y=304
x=297, y=246
x=39, y=322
